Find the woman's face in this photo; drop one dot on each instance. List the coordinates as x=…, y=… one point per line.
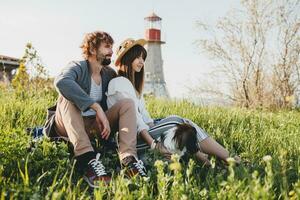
x=138, y=64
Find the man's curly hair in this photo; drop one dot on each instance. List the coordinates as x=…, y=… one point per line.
x=93, y=40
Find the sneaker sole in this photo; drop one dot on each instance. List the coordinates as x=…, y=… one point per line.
x=94, y=186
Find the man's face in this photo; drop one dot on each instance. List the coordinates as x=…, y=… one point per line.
x=104, y=53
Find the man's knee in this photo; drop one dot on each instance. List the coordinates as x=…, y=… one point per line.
x=127, y=104
x=66, y=107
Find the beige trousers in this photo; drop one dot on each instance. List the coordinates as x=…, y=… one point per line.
x=70, y=123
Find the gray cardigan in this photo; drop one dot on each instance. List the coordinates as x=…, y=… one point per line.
x=74, y=83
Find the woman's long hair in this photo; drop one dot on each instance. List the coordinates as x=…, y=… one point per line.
x=125, y=69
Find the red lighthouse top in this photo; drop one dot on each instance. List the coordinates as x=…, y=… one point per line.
x=153, y=17
x=153, y=28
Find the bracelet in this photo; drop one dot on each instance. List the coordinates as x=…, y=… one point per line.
x=153, y=144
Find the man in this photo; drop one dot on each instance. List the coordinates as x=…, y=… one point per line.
x=81, y=110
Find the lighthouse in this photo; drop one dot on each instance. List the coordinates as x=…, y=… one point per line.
x=154, y=75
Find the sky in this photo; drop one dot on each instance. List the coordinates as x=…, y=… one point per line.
x=56, y=29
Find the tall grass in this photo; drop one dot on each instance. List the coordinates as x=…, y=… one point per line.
x=43, y=170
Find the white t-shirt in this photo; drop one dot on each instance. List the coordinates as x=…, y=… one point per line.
x=95, y=94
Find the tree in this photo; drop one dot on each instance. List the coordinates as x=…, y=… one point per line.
x=34, y=63
x=21, y=81
x=31, y=74
x=256, y=48
x=285, y=72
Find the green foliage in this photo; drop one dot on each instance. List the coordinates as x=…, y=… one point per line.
x=268, y=143
x=21, y=81
x=31, y=75
x=33, y=61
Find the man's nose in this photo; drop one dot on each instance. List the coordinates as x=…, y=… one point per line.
x=110, y=51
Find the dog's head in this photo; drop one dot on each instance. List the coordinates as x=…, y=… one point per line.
x=186, y=136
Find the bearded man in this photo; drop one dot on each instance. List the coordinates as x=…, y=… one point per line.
x=81, y=111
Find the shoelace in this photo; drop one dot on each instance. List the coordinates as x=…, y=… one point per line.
x=98, y=166
x=140, y=167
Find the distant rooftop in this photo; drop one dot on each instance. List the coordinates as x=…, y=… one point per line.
x=7, y=60
x=7, y=68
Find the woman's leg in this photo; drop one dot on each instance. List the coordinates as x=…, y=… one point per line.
x=212, y=147
x=202, y=157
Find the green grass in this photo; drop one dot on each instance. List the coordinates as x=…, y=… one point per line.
x=43, y=170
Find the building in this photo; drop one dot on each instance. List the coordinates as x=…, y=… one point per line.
x=154, y=75
x=8, y=66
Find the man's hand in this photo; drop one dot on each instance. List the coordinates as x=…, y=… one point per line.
x=101, y=121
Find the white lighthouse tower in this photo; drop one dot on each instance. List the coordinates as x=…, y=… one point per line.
x=154, y=75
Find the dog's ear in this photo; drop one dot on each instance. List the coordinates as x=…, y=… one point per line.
x=178, y=136
x=192, y=141
x=186, y=136
x=163, y=137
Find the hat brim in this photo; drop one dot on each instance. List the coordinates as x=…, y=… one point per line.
x=141, y=42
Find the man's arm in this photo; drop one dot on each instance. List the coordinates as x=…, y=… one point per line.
x=67, y=86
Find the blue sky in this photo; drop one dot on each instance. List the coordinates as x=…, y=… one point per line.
x=56, y=29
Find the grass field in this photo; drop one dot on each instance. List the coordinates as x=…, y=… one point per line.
x=268, y=142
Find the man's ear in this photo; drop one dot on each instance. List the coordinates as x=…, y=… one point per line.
x=92, y=51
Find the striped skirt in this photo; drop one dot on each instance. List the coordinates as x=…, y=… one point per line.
x=160, y=126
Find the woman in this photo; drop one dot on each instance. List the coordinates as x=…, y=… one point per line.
x=130, y=60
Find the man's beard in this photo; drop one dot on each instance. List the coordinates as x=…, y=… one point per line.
x=106, y=61
x=103, y=60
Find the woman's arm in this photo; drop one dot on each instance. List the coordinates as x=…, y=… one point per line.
x=145, y=114
x=154, y=144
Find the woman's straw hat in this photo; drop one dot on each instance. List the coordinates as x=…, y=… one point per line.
x=125, y=46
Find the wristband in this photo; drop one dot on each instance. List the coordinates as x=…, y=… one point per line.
x=153, y=144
